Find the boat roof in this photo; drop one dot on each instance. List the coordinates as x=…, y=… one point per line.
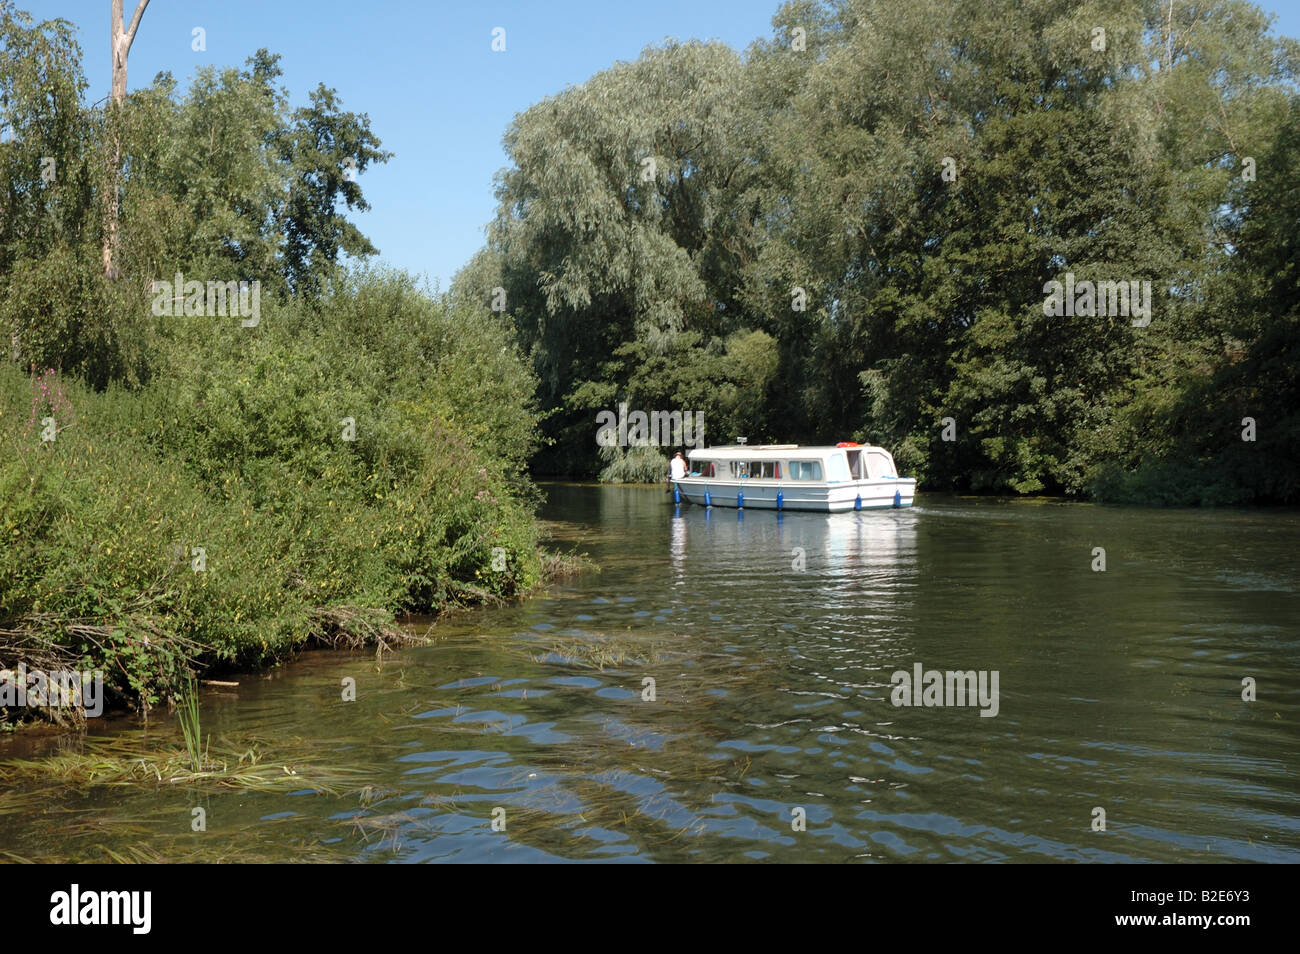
x=781, y=451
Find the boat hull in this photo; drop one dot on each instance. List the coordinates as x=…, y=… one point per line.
x=836, y=497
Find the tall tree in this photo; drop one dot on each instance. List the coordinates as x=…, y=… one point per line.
x=50, y=211
x=616, y=223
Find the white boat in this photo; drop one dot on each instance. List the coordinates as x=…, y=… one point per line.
x=847, y=476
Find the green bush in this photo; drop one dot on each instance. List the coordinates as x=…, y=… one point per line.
x=99, y=537
x=237, y=446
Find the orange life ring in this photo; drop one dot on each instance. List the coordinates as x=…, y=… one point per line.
x=848, y=444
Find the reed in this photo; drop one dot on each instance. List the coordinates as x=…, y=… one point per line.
x=187, y=714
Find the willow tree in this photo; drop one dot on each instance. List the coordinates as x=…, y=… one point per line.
x=120, y=47
x=616, y=219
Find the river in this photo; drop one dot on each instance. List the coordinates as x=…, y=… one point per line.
x=721, y=690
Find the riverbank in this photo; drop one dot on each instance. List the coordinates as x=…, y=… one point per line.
x=302, y=482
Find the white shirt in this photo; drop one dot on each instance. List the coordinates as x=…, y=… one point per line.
x=677, y=468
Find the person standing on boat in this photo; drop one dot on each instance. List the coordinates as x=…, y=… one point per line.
x=676, y=469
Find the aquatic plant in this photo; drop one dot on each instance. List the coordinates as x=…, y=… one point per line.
x=187, y=714
x=252, y=764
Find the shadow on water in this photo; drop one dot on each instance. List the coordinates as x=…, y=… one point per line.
x=725, y=669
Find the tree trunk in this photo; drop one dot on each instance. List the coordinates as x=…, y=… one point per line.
x=120, y=47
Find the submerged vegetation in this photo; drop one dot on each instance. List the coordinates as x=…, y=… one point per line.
x=251, y=765
x=333, y=799
x=600, y=653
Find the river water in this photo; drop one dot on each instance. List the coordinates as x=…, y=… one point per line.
x=721, y=691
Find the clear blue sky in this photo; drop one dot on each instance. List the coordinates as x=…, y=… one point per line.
x=436, y=93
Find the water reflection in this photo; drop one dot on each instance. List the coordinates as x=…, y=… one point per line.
x=677, y=545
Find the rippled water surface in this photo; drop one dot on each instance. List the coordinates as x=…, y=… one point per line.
x=771, y=643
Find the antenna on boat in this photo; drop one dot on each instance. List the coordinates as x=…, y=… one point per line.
x=741, y=440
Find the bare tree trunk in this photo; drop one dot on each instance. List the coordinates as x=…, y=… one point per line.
x=121, y=40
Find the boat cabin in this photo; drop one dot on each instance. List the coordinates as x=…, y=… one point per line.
x=790, y=462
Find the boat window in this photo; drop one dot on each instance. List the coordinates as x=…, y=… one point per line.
x=739, y=468
x=763, y=468
x=837, y=468
x=881, y=466
x=805, y=470
x=705, y=468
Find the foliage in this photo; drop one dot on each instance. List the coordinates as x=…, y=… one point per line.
x=218, y=493
x=236, y=447
x=222, y=182
x=639, y=464
x=819, y=173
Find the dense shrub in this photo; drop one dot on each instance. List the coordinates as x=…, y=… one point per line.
x=236, y=446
